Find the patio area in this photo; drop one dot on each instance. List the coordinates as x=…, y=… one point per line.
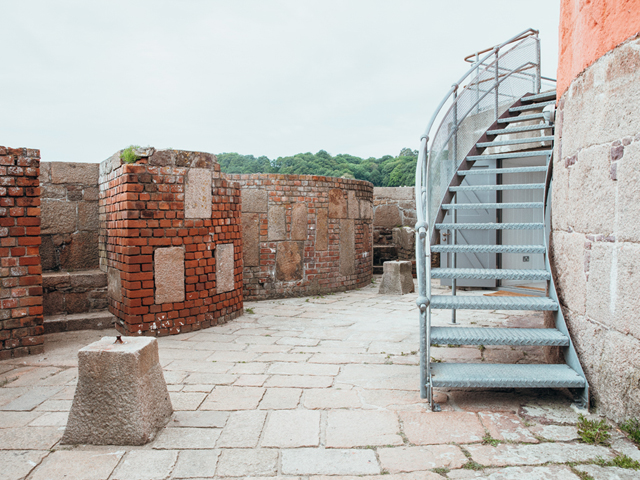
x=311, y=387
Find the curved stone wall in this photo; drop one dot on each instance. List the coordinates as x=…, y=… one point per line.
x=596, y=224
x=304, y=235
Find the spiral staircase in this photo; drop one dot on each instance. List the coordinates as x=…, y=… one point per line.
x=483, y=188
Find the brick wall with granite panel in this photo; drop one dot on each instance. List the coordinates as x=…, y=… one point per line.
x=304, y=235
x=170, y=242
x=21, y=321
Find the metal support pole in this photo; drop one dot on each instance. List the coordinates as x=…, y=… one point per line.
x=453, y=236
x=497, y=80
x=538, y=80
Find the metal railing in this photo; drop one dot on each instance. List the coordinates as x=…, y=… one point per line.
x=496, y=79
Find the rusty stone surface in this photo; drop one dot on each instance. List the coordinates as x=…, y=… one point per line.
x=251, y=239
x=78, y=251
x=197, y=199
x=353, y=206
x=277, y=228
x=347, y=247
x=168, y=266
x=289, y=258
x=387, y=216
x=299, y=222
x=57, y=217
x=337, y=204
x=254, y=201
x=225, y=268
x=322, y=228
x=78, y=173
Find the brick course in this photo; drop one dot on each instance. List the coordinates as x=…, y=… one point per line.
x=21, y=321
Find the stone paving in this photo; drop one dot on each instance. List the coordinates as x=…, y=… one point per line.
x=307, y=388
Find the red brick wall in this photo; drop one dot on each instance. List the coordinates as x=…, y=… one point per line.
x=142, y=209
x=21, y=321
x=318, y=269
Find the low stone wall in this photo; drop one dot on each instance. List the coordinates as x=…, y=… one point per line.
x=304, y=235
x=74, y=292
x=170, y=242
x=69, y=216
x=596, y=228
x=21, y=320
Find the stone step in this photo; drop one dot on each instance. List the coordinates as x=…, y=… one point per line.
x=100, y=320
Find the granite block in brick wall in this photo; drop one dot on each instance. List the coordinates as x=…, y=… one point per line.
x=277, y=223
x=337, y=203
x=251, y=239
x=366, y=209
x=225, y=268
x=168, y=274
x=299, y=222
x=198, y=194
x=74, y=173
x=88, y=216
x=254, y=201
x=78, y=251
x=347, y=247
x=115, y=284
x=353, y=206
x=289, y=261
x=322, y=230
x=58, y=216
x=387, y=216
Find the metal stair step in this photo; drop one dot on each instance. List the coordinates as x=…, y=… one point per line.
x=540, y=96
x=465, y=302
x=512, y=186
x=491, y=171
x=531, y=106
x=490, y=273
x=515, y=141
x=489, y=226
x=498, y=336
x=488, y=248
x=489, y=206
x=527, y=128
x=522, y=118
x=495, y=156
x=497, y=375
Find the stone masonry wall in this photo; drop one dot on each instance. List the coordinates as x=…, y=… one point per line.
x=170, y=241
x=21, y=320
x=596, y=225
x=304, y=235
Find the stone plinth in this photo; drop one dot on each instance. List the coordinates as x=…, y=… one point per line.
x=121, y=397
x=397, y=279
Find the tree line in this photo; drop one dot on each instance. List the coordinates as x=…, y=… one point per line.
x=386, y=171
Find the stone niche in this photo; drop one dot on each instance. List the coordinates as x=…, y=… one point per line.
x=170, y=242
x=305, y=235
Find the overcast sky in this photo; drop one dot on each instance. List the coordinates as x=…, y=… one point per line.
x=83, y=79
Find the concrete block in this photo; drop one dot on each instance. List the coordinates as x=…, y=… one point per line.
x=397, y=279
x=289, y=261
x=387, y=216
x=251, y=239
x=78, y=173
x=197, y=199
x=168, y=274
x=121, y=397
x=277, y=227
x=347, y=247
x=322, y=230
x=299, y=222
x=225, y=268
x=254, y=201
x=337, y=204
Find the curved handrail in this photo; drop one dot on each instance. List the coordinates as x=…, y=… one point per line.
x=527, y=33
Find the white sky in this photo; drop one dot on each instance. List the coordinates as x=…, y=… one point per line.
x=82, y=79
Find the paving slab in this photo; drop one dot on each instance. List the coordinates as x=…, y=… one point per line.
x=242, y=429
x=387, y=377
x=280, y=398
x=251, y=380
x=303, y=369
x=233, y=398
x=326, y=398
x=398, y=476
x=87, y=465
x=186, y=438
x=196, y=463
x=16, y=464
x=51, y=419
x=18, y=419
x=608, y=473
x=292, y=429
x=317, y=461
x=429, y=428
x=410, y=459
x=361, y=428
x=392, y=399
x=145, y=465
x=243, y=462
x=30, y=438
x=555, y=433
x=506, y=426
x=199, y=419
x=300, y=381
x=31, y=399
x=187, y=400
x=552, y=472
x=519, y=454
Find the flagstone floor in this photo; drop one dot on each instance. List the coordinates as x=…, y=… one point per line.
x=307, y=388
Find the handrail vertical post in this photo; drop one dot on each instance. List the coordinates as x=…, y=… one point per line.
x=497, y=80
x=453, y=236
x=538, y=85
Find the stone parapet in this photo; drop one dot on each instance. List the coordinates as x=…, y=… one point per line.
x=21, y=320
x=305, y=235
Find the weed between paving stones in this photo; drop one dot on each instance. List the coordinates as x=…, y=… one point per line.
x=595, y=432
x=489, y=440
x=632, y=428
x=621, y=461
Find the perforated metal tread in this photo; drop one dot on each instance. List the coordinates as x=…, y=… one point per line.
x=491, y=171
x=494, y=156
x=498, y=336
x=487, y=273
x=531, y=106
x=489, y=226
x=512, y=186
x=527, y=128
x=488, y=206
x=522, y=118
x=516, y=141
x=498, y=375
x=540, y=96
x=488, y=248
x=463, y=302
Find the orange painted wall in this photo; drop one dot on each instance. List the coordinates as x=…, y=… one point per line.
x=589, y=29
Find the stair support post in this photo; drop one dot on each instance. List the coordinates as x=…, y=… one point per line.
x=453, y=232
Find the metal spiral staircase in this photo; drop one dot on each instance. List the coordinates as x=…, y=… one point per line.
x=494, y=142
